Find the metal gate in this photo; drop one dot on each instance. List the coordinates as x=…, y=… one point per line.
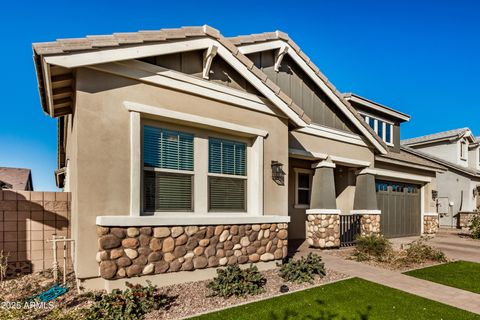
x=400, y=206
x=349, y=229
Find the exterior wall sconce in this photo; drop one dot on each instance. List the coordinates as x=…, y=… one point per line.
x=434, y=195
x=278, y=175
x=476, y=191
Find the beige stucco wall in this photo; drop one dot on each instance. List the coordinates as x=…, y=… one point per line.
x=311, y=143
x=100, y=183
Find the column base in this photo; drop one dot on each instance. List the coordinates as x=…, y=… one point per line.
x=323, y=228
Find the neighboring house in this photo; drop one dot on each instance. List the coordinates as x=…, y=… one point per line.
x=16, y=179
x=458, y=188
x=184, y=150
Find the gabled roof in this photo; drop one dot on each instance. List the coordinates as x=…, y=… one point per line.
x=448, y=164
x=246, y=40
x=440, y=136
x=370, y=104
x=16, y=178
x=60, y=53
x=411, y=160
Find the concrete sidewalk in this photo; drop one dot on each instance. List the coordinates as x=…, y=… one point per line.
x=451, y=296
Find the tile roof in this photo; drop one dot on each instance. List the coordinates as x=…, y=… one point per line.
x=407, y=157
x=279, y=35
x=92, y=43
x=18, y=178
x=456, y=133
x=442, y=162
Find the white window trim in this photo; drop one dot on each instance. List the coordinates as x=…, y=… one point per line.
x=254, y=165
x=463, y=151
x=384, y=124
x=305, y=171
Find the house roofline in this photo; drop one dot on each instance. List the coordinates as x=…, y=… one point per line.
x=403, y=117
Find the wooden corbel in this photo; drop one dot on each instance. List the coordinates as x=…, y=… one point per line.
x=278, y=59
x=208, y=56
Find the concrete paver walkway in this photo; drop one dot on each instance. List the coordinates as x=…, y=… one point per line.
x=448, y=295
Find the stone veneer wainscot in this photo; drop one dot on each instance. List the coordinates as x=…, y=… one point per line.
x=133, y=251
x=430, y=224
x=323, y=230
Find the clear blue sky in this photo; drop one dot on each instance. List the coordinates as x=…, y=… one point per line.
x=420, y=57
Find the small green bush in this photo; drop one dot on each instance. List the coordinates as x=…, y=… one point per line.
x=130, y=304
x=475, y=226
x=233, y=281
x=420, y=252
x=303, y=270
x=373, y=247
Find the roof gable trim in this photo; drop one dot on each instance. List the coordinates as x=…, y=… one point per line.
x=304, y=63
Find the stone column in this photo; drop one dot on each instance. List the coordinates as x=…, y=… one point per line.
x=430, y=223
x=365, y=204
x=323, y=230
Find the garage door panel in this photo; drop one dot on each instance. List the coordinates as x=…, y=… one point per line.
x=400, y=206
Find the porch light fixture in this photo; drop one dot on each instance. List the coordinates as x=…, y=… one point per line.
x=434, y=195
x=277, y=173
x=476, y=191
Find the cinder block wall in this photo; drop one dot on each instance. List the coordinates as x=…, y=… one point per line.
x=27, y=220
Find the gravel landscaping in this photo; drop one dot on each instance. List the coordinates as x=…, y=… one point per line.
x=193, y=298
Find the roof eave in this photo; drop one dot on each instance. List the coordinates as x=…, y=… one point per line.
x=403, y=117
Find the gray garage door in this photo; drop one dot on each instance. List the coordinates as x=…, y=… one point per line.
x=400, y=206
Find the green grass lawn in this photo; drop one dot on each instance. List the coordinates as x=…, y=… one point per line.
x=459, y=274
x=346, y=299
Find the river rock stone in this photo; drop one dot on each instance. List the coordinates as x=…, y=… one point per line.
x=108, y=269
x=130, y=243
x=161, y=267
x=131, y=253
x=132, y=232
x=177, y=231
x=168, y=244
x=109, y=241
x=161, y=232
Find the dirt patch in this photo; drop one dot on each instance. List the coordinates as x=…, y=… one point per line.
x=17, y=291
x=394, y=262
x=188, y=299
x=193, y=298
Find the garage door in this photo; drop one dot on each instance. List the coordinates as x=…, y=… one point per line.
x=400, y=206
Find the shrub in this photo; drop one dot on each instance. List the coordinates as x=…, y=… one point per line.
x=304, y=269
x=475, y=226
x=373, y=246
x=233, y=281
x=130, y=304
x=420, y=252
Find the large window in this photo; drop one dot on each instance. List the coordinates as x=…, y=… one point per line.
x=168, y=170
x=383, y=128
x=227, y=176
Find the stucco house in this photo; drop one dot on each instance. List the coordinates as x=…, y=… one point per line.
x=458, y=188
x=185, y=150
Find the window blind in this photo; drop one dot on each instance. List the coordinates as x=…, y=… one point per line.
x=167, y=149
x=227, y=157
x=167, y=192
x=227, y=194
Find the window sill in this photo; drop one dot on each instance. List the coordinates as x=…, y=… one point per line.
x=301, y=206
x=176, y=219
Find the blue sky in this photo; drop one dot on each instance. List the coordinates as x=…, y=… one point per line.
x=420, y=57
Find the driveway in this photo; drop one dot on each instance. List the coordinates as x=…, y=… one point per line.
x=453, y=242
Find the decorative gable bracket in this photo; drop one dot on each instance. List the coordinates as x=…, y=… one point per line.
x=278, y=59
x=208, y=56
